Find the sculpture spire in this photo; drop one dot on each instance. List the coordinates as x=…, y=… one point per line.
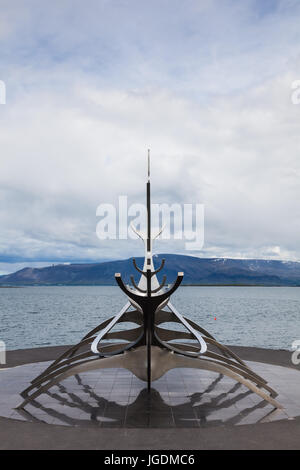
x=148, y=209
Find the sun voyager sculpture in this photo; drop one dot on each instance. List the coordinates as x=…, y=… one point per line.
x=149, y=349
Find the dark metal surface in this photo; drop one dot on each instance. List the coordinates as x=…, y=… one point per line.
x=148, y=350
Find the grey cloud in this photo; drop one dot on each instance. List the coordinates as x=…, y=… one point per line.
x=207, y=87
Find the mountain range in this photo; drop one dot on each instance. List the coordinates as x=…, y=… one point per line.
x=197, y=271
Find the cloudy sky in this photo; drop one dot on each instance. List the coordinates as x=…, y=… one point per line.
x=206, y=84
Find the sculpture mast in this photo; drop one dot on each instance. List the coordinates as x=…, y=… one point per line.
x=147, y=237
x=148, y=209
x=150, y=317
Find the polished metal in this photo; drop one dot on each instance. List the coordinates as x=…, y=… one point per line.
x=148, y=350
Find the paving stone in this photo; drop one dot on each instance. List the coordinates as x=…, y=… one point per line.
x=181, y=398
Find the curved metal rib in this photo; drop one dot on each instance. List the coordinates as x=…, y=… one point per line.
x=63, y=356
x=197, y=327
x=160, y=286
x=132, y=316
x=201, y=363
x=192, y=347
x=170, y=335
x=160, y=268
x=164, y=316
x=126, y=335
x=152, y=272
x=172, y=348
x=212, y=340
x=99, y=337
x=86, y=340
x=69, y=371
x=53, y=371
x=139, y=234
x=190, y=328
x=137, y=268
x=159, y=232
x=122, y=286
x=174, y=286
x=137, y=287
x=243, y=370
x=115, y=350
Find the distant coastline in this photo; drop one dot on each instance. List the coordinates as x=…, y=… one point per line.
x=115, y=285
x=197, y=272
x=11, y=287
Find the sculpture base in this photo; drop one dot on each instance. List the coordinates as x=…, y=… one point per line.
x=162, y=361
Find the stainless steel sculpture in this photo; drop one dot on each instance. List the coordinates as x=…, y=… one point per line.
x=148, y=350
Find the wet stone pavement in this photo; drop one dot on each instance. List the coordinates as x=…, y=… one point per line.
x=181, y=398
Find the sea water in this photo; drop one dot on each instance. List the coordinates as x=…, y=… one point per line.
x=267, y=317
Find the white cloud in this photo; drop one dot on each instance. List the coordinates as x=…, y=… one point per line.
x=207, y=87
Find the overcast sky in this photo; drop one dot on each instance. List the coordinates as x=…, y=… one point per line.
x=91, y=85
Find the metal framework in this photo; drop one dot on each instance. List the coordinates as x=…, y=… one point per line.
x=149, y=349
